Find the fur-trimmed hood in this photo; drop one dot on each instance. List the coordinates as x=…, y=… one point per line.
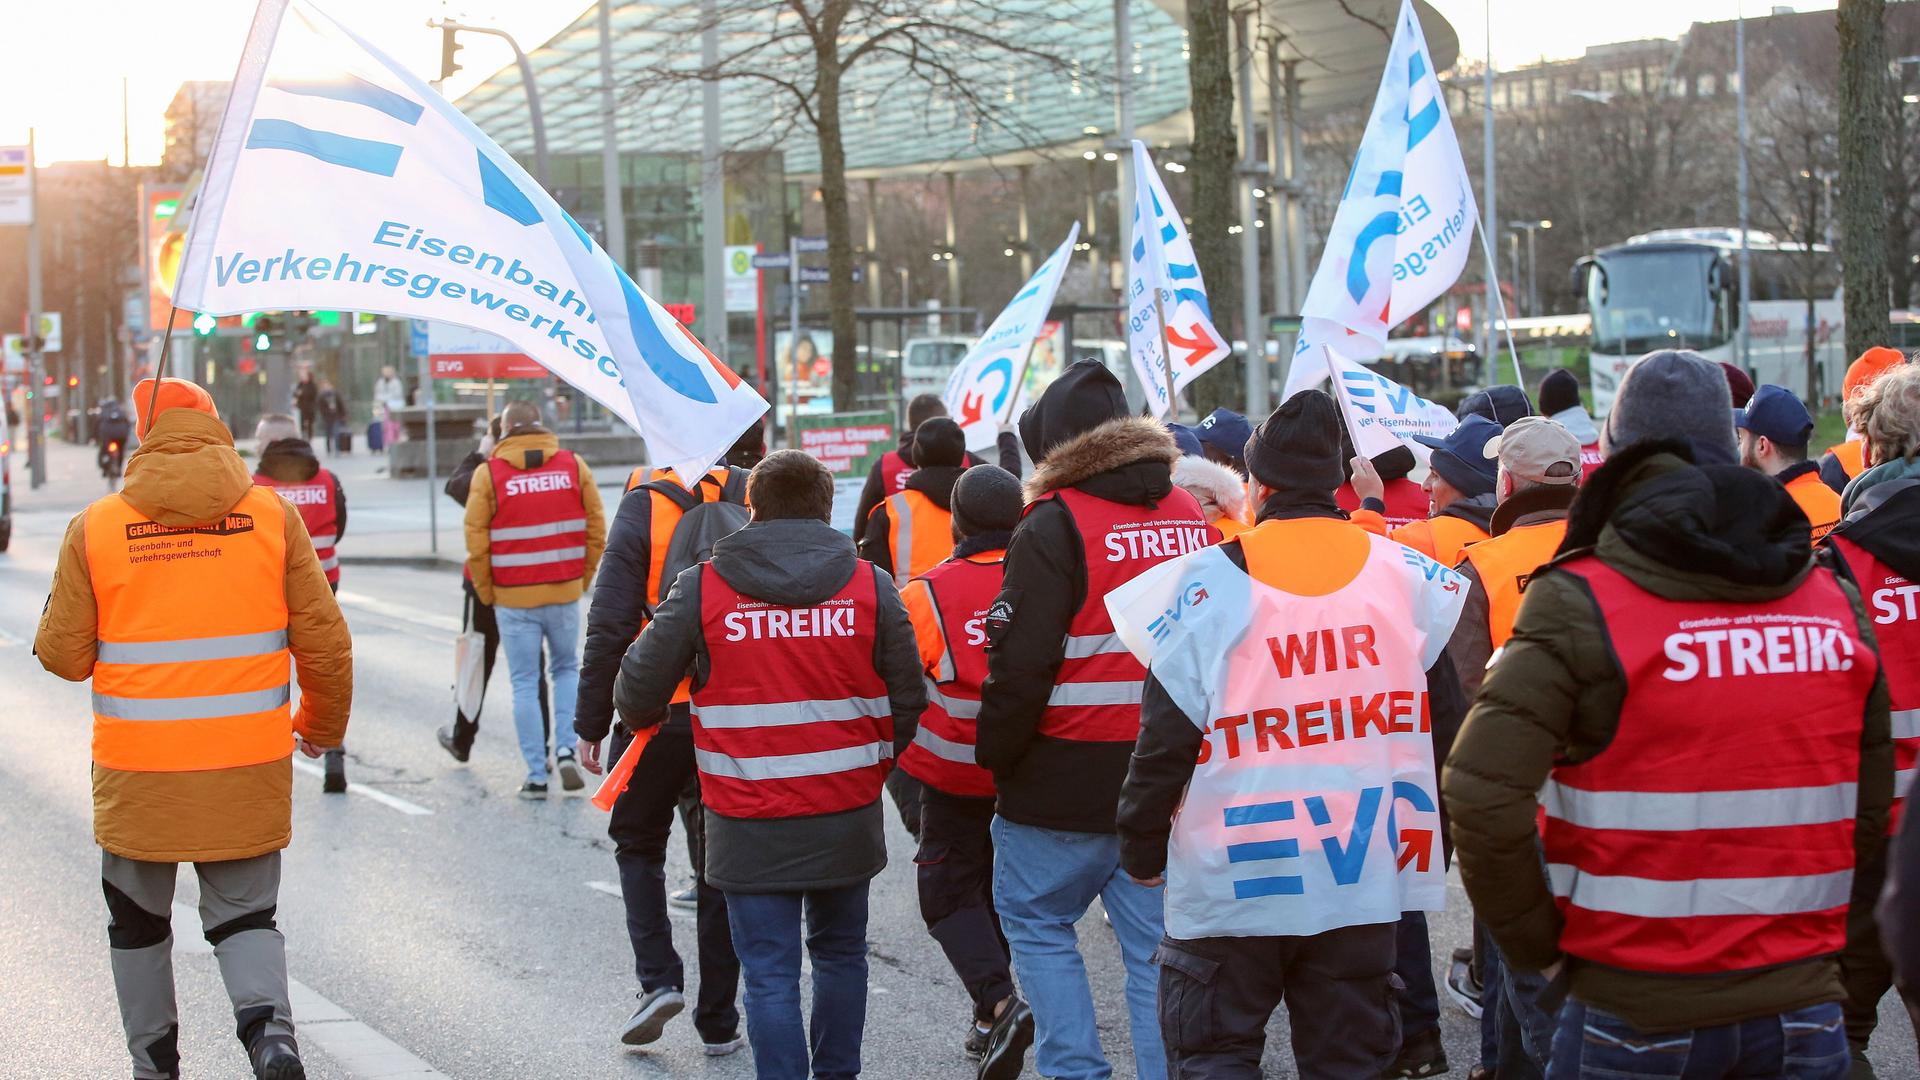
x=1218, y=489
x=1123, y=441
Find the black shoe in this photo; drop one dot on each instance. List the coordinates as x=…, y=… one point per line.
x=1007, y=1043
x=569, y=770
x=335, y=782
x=1420, y=1055
x=1860, y=1068
x=531, y=790
x=975, y=1044
x=450, y=742
x=275, y=1057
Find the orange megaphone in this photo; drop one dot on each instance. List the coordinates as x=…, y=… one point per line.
x=622, y=771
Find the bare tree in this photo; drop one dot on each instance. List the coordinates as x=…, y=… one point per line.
x=796, y=61
x=1793, y=164
x=1215, y=150
x=1863, y=171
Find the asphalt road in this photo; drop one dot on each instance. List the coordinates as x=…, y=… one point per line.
x=436, y=924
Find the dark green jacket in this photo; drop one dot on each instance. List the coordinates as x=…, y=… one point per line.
x=1684, y=533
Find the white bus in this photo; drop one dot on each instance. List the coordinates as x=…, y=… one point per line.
x=1680, y=289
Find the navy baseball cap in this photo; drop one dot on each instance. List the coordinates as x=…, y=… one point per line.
x=1226, y=431
x=1469, y=456
x=1187, y=441
x=1777, y=414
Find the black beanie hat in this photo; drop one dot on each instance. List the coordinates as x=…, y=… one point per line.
x=986, y=499
x=1298, y=447
x=939, y=441
x=1085, y=396
x=1502, y=403
x=1559, y=391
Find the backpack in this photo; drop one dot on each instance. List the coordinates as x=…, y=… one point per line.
x=701, y=523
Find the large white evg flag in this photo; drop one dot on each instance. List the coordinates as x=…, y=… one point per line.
x=988, y=387
x=341, y=180
x=1404, y=227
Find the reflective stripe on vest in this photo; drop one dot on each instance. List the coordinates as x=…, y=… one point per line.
x=191, y=671
x=792, y=719
x=1096, y=694
x=948, y=606
x=1506, y=563
x=920, y=535
x=314, y=498
x=1698, y=841
x=1893, y=603
x=538, y=534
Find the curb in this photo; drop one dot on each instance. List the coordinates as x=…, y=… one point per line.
x=417, y=562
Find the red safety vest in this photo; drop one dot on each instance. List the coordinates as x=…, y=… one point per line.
x=1704, y=838
x=1893, y=603
x=894, y=471
x=1406, y=501
x=314, y=499
x=539, y=531
x=792, y=720
x=1096, y=692
x=1590, y=459
x=949, y=608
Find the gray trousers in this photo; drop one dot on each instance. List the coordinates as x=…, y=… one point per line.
x=237, y=902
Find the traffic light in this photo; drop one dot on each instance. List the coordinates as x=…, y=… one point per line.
x=448, y=46
x=264, y=329
x=204, y=324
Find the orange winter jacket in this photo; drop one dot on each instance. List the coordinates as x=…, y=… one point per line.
x=195, y=787
x=518, y=450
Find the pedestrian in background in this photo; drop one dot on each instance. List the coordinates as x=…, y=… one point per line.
x=1560, y=402
x=911, y=530
x=889, y=475
x=390, y=396
x=1845, y=460
x=803, y=664
x=1459, y=488
x=332, y=409
x=306, y=402
x=1061, y=707
x=192, y=729
x=1695, y=702
x=535, y=530
x=1223, y=435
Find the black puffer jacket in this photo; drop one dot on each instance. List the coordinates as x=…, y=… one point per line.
x=795, y=563
x=292, y=461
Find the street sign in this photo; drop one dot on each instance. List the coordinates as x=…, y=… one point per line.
x=775, y=261
x=50, y=331
x=809, y=245
x=818, y=275
x=741, y=279
x=16, y=186
x=1283, y=324
x=13, y=353
x=417, y=339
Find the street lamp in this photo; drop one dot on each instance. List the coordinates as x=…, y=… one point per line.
x=1531, y=228
x=538, y=122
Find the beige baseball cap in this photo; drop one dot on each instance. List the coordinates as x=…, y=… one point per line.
x=1540, y=451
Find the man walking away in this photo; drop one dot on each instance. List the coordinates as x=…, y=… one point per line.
x=288, y=465
x=802, y=663
x=1293, y=624
x=1708, y=783
x=1061, y=707
x=306, y=402
x=535, y=531
x=1459, y=489
x=948, y=606
x=654, y=534
x=1560, y=402
x=889, y=475
x=1844, y=461
x=192, y=730
x=1877, y=546
x=911, y=531
x=1773, y=430
x=333, y=418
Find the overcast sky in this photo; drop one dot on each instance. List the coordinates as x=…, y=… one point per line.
x=66, y=58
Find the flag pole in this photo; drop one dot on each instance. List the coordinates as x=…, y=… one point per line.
x=1500, y=302
x=1013, y=388
x=1166, y=355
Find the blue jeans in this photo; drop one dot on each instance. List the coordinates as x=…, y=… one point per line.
x=1413, y=962
x=521, y=632
x=1523, y=1030
x=1805, y=1044
x=766, y=935
x=1043, y=882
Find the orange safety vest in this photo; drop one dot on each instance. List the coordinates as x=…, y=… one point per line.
x=1441, y=539
x=665, y=515
x=1852, y=456
x=643, y=474
x=192, y=668
x=1819, y=502
x=1230, y=526
x=1505, y=563
x=920, y=534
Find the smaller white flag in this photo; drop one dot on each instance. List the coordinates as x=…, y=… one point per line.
x=987, y=389
x=1174, y=336
x=1380, y=412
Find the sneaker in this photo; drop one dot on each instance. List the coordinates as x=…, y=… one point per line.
x=722, y=1049
x=533, y=790
x=569, y=768
x=275, y=1057
x=1420, y=1055
x=1859, y=1068
x=975, y=1044
x=656, y=1008
x=1007, y=1044
x=1462, y=987
x=452, y=745
x=687, y=899
x=335, y=781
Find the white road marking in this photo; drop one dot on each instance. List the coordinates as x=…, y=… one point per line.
x=402, y=612
x=607, y=887
x=187, y=938
x=381, y=797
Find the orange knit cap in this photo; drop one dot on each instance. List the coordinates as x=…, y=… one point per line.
x=1872, y=364
x=174, y=394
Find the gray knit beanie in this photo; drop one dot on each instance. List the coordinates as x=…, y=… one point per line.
x=986, y=498
x=1676, y=395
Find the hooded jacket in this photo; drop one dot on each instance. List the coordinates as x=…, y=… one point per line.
x=187, y=473
x=1046, y=782
x=1218, y=489
x=292, y=461
x=1681, y=532
x=935, y=482
x=516, y=450
x=789, y=562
